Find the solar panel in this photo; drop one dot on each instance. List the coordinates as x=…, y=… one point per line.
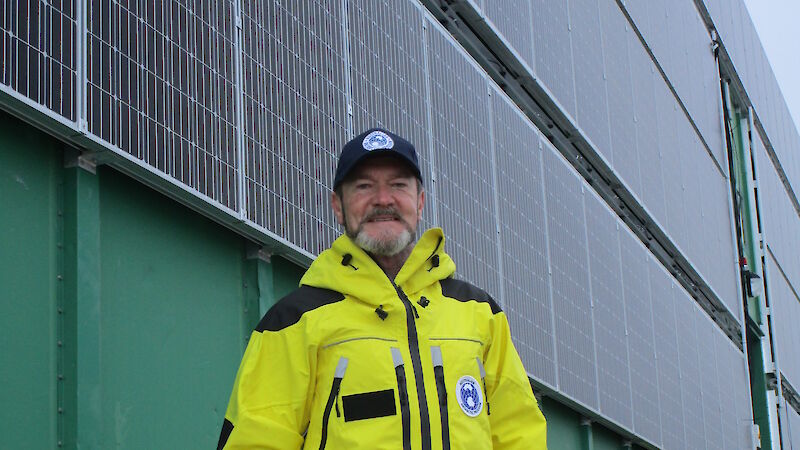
x=37, y=52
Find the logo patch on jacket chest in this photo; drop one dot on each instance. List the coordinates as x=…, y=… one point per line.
x=469, y=395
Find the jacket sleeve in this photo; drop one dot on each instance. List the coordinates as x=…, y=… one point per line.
x=514, y=415
x=270, y=404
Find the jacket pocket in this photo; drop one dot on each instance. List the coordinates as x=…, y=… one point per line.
x=341, y=366
x=441, y=390
x=402, y=393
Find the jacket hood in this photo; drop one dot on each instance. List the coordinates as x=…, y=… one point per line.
x=358, y=275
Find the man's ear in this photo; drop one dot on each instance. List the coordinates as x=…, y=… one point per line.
x=336, y=205
x=420, y=202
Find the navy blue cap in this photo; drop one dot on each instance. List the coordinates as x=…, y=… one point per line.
x=375, y=141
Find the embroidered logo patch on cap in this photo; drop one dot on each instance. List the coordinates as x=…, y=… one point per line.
x=376, y=140
x=469, y=396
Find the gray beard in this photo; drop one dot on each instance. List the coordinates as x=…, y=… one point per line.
x=388, y=246
x=384, y=245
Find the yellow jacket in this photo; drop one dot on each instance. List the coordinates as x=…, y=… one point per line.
x=353, y=360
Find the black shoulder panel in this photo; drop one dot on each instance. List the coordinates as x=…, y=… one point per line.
x=464, y=292
x=289, y=309
x=227, y=429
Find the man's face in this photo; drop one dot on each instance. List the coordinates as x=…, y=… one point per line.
x=380, y=205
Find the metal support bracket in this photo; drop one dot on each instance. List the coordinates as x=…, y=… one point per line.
x=85, y=160
x=255, y=251
x=772, y=380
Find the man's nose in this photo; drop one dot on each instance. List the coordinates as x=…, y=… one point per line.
x=383, y=195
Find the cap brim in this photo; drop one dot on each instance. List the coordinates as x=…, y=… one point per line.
x=378, y=152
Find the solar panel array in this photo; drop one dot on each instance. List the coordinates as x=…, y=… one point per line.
x=775, y=145
x=523, y=238
x=610, y=329
x=462, y=149
x=794, y=424
x=678, y=38
x=780, y=222
x=621, y=337
x=588, y=56
x=780, y=228
x=785, y=310
x=569, y=268
x=741, y=41
x=776, y=150
x=248, y=108
x=294, y=109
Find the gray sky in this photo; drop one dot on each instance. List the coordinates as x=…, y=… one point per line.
x=778, y=26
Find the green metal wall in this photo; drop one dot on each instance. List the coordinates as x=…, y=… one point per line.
x=29, y=182
x=123, y=314
x=567, y=430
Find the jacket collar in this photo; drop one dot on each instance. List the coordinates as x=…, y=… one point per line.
x=360, y=276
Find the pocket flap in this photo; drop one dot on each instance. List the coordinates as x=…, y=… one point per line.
x=369, y=405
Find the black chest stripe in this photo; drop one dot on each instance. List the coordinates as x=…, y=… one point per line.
x=369, y=405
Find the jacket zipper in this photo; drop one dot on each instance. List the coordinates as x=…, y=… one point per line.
x=337, y=382
x=438, y=373
x=402, y=393
x=416, y=364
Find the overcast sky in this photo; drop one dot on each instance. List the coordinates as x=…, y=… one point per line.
x=778, y=26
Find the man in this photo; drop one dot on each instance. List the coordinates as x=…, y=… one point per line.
x=380, y=348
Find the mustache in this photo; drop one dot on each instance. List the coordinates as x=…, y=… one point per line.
x=378, y=212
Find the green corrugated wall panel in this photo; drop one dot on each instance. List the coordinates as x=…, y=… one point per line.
x=565, y=430
x=29, y=182
x=272, y=277
x=81, y=297
x=159, y=302
x=172, y=321
x=286, y=275
x=605, y=439
x=563, y=426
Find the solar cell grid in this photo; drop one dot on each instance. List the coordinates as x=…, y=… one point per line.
x=710, y=391
x=691, y=373
x=523, y=238
x=590, y=73
x=462, y=150
x=645, y=83
x=638, y=306
x=614, y=382
x=295, y=116
x=37, y=57
x=614, y=33
x=570, y=279
x=553, y=51
x=667, y=356
x=160, y=86
x=794, y=423
x=512, y=20
x=735, y=403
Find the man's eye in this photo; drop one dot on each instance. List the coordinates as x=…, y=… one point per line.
x=362, y=186
x=400, y=185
